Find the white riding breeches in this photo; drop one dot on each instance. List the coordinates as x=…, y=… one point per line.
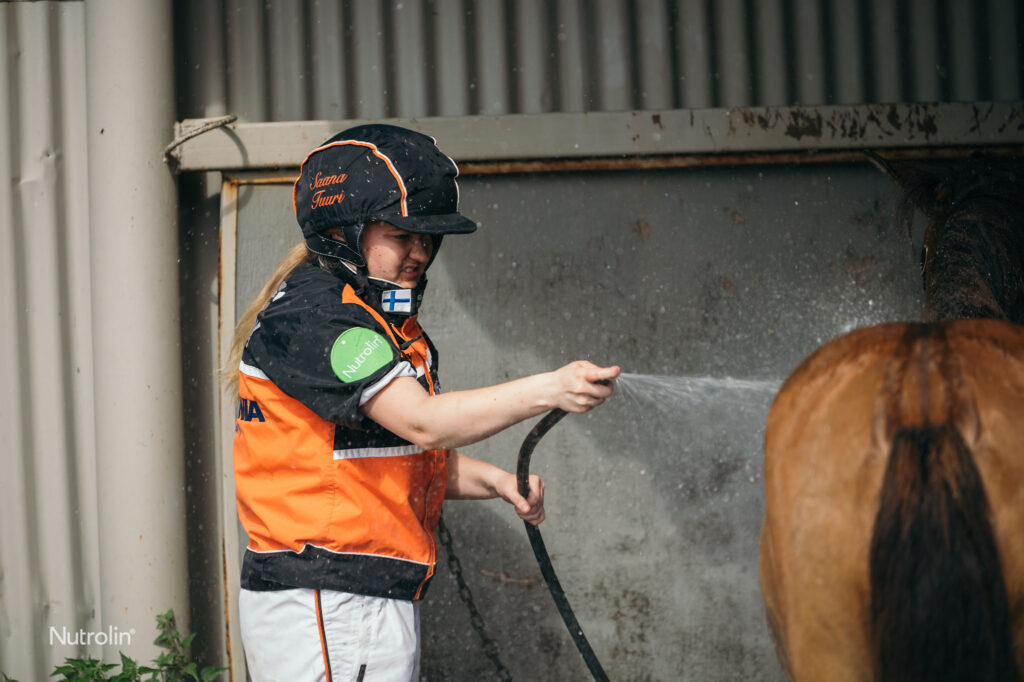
x=301, y=635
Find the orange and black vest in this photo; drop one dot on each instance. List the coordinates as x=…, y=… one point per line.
x=330, y=499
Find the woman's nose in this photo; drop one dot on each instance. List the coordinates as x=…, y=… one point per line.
x=421, y=248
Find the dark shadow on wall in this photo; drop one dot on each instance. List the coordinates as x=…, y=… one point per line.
x=199, y=236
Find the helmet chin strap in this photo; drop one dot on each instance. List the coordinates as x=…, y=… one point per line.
x=333, y=248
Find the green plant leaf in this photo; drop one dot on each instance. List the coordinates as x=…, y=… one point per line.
x=129, y=670
x=209, y=674
x=83, y=670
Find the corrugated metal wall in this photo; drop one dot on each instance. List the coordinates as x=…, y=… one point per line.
x=49, y=565
x=268, y=60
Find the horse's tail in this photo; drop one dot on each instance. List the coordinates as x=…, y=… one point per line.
x=939, y=608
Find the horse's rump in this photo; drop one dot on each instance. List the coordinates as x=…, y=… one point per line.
x=879, y=424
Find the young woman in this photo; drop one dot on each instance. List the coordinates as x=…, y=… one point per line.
x=345, y=447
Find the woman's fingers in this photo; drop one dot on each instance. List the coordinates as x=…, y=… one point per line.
x=586, y=385
x=534, y=512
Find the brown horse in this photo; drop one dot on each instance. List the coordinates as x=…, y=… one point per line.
x=893, y=539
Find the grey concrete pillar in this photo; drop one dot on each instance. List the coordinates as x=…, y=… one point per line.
x=136, y=327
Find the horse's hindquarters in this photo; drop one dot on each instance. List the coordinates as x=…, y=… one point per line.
x=822, y=474
x=827, y=444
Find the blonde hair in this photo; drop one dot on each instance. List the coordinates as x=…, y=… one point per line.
x=229, y=372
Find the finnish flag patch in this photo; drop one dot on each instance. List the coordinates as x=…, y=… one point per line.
x=396, y=301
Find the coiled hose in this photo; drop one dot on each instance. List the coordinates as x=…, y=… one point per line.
x=539, y=551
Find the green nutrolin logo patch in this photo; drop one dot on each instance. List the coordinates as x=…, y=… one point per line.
x=357, y=353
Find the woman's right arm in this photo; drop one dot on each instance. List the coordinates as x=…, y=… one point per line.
x=460, y=418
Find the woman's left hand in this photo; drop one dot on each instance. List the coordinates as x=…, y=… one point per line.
x=529, y=509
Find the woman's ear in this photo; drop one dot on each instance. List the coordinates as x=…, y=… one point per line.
x=335, y=233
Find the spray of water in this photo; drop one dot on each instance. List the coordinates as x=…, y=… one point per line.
x=699, y=431
x=680, y=392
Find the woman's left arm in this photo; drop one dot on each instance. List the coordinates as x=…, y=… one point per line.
x=472, y=479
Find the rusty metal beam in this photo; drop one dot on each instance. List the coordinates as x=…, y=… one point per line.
x=779, y=134
x=288, y=175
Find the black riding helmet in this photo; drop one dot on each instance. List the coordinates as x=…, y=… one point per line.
x=376, y=172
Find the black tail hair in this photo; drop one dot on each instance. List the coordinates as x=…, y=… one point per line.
x=939, y=608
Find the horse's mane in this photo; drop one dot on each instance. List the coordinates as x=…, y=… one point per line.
x=976, y=208
x=937, y=187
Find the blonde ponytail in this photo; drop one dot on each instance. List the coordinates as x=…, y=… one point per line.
x=229, y=372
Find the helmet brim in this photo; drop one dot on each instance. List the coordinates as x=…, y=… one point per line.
x=449, y=223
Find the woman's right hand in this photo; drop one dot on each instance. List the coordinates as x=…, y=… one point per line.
x=578, y=389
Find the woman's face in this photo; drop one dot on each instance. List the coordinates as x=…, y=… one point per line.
x=396, y=255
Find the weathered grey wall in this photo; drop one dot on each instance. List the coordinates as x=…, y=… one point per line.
x=717, y=281
x=90, y=406
x=49, y=561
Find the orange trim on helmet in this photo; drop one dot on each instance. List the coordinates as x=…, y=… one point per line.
x=376, y=152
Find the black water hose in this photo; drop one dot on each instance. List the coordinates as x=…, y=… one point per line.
x=539, y=551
